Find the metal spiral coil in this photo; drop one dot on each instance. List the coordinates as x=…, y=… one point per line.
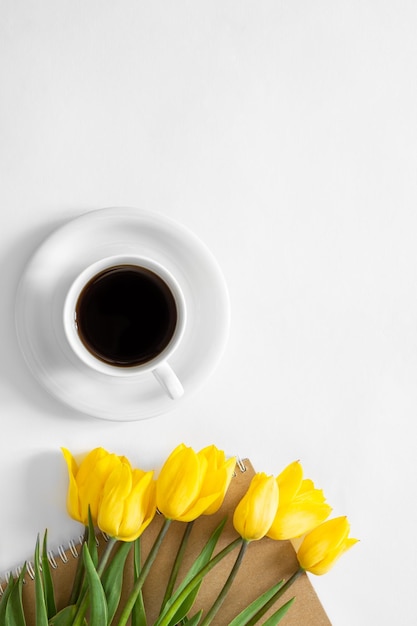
x=54, y=558
x=241, y=465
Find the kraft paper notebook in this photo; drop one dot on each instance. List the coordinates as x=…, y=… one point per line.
x=265, y=563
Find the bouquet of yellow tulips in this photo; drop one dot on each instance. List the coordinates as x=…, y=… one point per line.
x=105, y=492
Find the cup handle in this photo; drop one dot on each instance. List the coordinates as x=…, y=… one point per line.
x=168, y=380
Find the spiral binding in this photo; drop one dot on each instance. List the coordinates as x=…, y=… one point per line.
x=54, y=558
x=241, y=465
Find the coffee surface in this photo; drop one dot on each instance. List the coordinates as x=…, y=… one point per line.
x=126, y=315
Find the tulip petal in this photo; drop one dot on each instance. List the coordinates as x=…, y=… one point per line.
x=199, y=507
x=289, y=482
x=88, y=464
x=91, y=490
x=327, y=536
x=218, y=481
x=256, y=511
x=328, y=561
x=73, y=503
x=70, y=461
x=179, y=482
x=297, y=519
x=115, y=491
x=324, y=545
x=213, y=455
x=139, y=508
x=301, y=505
x=306, y=485
x=311, y=496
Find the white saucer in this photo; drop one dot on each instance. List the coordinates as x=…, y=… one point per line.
x=76, y=245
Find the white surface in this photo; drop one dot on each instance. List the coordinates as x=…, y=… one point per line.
x=78, y=247
x=284, y=135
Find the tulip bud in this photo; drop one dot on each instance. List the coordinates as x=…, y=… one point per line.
x=128, y=503
x=121, y=499
x=321, y=547
x=191, y=484
x=255, y=513
x=86, y=482
x=218, y=477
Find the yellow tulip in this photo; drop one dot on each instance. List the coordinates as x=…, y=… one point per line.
x=324, y=545
x=191, y=484
x=256, y=511
x=218, y=477
x=121, y=499
x=302, y=507
x=128, y=503
x=86, y=481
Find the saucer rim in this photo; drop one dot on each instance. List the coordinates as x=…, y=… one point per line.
x=38, y=364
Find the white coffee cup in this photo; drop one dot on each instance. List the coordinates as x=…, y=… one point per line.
x=125, y=315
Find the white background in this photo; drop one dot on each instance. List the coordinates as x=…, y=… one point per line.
x=284, y=134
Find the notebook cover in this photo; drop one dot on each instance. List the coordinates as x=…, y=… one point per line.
x=265, y=563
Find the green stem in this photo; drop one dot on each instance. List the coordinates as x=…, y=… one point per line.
x=82, y=582
x=166, y=620
x=142, y=576
x=78, y=579
x=138, y=615
x=83, y=606
x=275, y=597
x=222, y=595
x=177, y=564
x=106, y=555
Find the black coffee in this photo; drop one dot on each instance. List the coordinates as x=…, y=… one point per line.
x=126, y=315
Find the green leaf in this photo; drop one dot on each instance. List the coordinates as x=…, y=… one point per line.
x=138, y=616
x=4, y=599
x=91, y=541
x=200, y=562
x=251, y=610
x=79, y=576
x=282, y=589
x=40, y=604
x=14, y=607
x=278, y=615
x=48, y=586
x=193, y=621
x=98, y=604
x=64, y=617
x=112, y=579
x=90, y=544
